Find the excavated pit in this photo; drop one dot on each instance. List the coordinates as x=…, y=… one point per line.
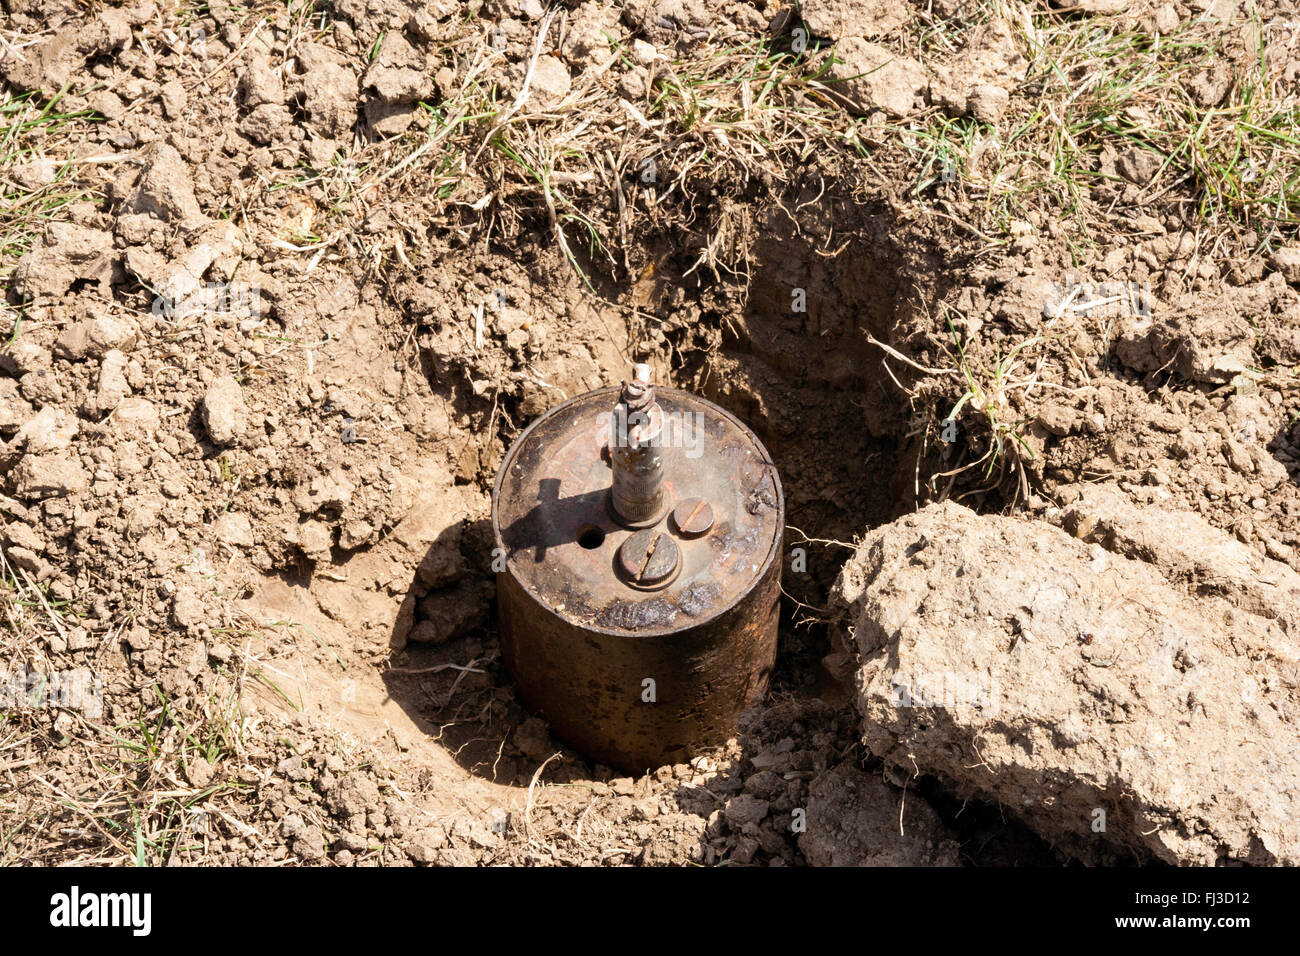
x=789, y=353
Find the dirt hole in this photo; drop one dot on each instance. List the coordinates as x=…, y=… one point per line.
x=786, y=350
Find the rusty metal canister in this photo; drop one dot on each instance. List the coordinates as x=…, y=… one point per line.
x=640, y=640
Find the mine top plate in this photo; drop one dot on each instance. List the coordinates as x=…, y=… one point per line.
x=551, y=514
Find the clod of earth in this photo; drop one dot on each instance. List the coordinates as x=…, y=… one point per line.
x=1080, y=688
x=224, y=411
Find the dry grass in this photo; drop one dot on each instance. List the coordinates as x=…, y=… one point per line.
x=78, y=789
x=122, y=775
x=1098, y=84
x=600, y=170
x=35, y=140
x=744, y=117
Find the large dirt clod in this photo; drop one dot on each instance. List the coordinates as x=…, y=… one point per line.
x=846, y=18
x=867, y=76
x=1077, y=688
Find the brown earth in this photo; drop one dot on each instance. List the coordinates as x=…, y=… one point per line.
x=299, y=278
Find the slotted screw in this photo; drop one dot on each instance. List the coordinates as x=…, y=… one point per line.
x=649, y=558
x=693, y=517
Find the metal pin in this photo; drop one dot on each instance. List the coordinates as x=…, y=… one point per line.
x=637, y=495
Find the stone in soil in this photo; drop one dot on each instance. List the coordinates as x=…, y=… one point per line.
x=868, y=76
x=1117, y=714
x=224, y=411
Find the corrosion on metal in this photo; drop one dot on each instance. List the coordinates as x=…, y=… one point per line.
x=635, y=677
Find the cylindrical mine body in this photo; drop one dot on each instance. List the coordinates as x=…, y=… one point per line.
x=635, y=674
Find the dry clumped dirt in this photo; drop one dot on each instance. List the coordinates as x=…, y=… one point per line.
x=283, y=283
